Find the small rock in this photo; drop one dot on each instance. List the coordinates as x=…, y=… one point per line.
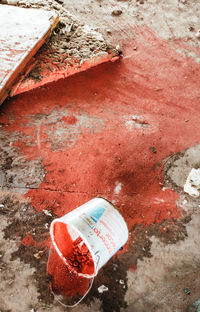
x=1, y=205
x=191, y=28
x=134, y=48
x=116, y=12
x=117, y=47
x=39, y=254
x=102, y=288
x=153, y=149
x=187, y=291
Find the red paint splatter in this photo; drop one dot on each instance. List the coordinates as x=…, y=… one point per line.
x=28, y=240
x=64, y=281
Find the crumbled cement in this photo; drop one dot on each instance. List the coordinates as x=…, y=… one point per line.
x=72, y=41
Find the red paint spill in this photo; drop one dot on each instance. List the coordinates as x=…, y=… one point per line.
x=140, y=102
x=63, y=281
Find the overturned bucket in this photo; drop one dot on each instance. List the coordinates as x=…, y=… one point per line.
x=87, y=237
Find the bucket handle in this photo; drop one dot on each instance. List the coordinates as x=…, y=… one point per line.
x=81, y=299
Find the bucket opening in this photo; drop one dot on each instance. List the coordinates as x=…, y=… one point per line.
x=72, y=249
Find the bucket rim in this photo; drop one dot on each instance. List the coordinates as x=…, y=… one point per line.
x=85, y=241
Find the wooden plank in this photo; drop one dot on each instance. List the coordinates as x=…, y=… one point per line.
x=22, y=32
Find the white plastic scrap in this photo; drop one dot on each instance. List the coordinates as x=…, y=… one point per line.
x=47, y=213
x=192, y=184
x=102, y=288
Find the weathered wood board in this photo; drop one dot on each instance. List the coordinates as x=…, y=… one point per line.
x=22, y=32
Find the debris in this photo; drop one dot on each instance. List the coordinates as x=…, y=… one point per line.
x=192, y=184
x=121, y=282
x=47, y=212
x=153, y=149
x=73, y=47
x=39, y=254
x=1, y=205
x=116, y=12
x=34, y=26
x=102, y=288
x=191, y=28
x=187, y=291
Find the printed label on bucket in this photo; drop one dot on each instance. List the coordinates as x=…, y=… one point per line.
x=93, y=215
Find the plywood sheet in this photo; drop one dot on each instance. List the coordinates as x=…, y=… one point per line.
x=22, y=32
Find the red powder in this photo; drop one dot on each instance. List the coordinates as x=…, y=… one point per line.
x=76, y=253
x=64, y=281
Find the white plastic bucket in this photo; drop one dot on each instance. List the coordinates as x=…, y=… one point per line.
x=100, y=226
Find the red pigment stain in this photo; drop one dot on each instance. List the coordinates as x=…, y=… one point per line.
x=28, y=240
x=69, y=119
x=132, y=268
x=148, y=99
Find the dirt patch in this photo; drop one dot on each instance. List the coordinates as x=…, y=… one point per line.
x=15, y=170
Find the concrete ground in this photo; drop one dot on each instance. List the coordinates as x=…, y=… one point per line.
x=128, y=131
